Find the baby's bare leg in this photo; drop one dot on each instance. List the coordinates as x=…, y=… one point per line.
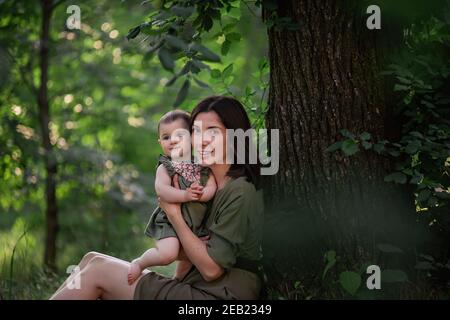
x=165, y=252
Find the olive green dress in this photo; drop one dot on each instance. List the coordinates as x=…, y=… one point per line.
x=235, y=224
x=158, y=226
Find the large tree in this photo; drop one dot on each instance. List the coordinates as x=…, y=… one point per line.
x=325, y=77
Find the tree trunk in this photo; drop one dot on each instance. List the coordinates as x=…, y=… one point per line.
x=44, y=119
x=325, y=78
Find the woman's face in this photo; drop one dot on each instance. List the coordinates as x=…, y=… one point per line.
x=209, y=139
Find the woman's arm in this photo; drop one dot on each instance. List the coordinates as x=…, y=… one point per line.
x=194, y=247
x=183, y=267
x=168, y=193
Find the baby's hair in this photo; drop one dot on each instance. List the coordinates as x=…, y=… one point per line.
x=174, y=115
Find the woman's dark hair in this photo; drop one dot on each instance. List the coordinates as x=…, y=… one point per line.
x=174, y=115
x=233, y=116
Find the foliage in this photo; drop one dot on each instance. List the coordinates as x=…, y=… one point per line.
x=177, y=33
x=422, y=76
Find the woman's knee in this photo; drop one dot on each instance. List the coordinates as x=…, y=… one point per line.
x=89, y=256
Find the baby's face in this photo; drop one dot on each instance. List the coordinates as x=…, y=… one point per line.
x=175, y=140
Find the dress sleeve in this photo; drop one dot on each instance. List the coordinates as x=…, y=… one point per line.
x=228, y=231
x=167, y=163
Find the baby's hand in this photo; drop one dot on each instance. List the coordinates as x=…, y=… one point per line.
x=196, y=185
x=193, y=193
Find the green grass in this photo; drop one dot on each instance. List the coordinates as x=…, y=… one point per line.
x=121, y=237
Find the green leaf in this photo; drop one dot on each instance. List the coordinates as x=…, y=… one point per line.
x=215, y=73
x=426, y=257
x=365, y=136
x=133, y=33
x=155, y=47
x=199, y=64
x=408, y=98
x=201, y=83
x=350, y=281
x=378, y=148
x=443, y=195
x=388, y=248
x=432, y=202
x=390, y=276
x=233, y=36
x=330, y=257
x=424, y=265
x=228, y=27
x=263, y=65
x=206, y=54
x=400, y=87
x=350, y=147
x=166, y=59
x=424, y=195
x=335, y=146
x=171, y=81
x=416, y=179
x=416, y=134
x=225, y=47
x=347, y=134
x=227, y=71
x=186, y=68
x=176, y=42
x=366, y=145
x=393, y=152
x=182, y=94
x=396, y=177
x=413, y=147
x=207, y=23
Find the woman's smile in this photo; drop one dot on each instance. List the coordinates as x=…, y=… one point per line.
x=209, y=138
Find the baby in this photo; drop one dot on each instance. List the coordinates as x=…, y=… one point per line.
x=197, y=187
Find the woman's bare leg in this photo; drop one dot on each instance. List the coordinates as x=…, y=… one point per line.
x=165, y=252
x=83, y=262
x=102, y=277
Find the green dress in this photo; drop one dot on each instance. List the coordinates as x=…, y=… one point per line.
x=235, y=224
x=159, y=227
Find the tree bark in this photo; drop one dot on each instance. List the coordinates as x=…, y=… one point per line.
x=325, y=78
x=49, y=159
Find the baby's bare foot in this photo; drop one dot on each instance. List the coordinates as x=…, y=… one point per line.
x=134, y=271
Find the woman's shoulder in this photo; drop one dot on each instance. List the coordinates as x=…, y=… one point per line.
x=241, y=187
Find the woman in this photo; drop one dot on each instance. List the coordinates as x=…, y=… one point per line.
x=224, y=266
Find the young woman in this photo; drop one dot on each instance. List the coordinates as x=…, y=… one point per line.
x=224, y=265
